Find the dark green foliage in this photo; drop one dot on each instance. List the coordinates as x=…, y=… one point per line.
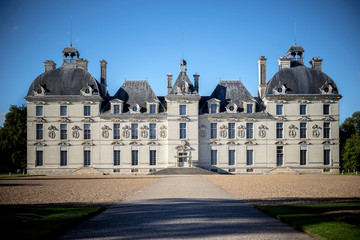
x=13, y=140
x=350, y=143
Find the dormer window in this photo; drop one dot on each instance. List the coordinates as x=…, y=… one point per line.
x=279, y=89
x=86, y=91
x=231, y=107
x=116, y=106
x=249, y=108
x=135, y=108
x=40, y=91
x=152, y=108
x=326, y=89
x=214, y=105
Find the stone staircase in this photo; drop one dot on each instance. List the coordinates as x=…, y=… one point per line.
x=283, y=170
x=183, y=171
x=87, y=171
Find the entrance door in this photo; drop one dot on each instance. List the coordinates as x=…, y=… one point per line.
x=182, y=160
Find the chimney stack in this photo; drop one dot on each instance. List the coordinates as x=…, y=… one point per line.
x=262, y=76
x=49, y=65
x=196, y=82
x=284, y=62
x=103, y=81
x=82, y=63
x=316, y=63
x=169, y=79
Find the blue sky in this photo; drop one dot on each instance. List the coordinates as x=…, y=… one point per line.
x=143, y=39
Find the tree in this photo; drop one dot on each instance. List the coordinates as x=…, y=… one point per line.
x=350, y=142
x=13, y=140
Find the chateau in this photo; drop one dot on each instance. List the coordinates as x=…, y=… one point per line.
x=74, y=125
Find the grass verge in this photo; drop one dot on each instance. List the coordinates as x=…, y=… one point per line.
x=314, y=219
x=17, y=175
x=21, y=222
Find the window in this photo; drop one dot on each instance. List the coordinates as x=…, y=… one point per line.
x=249, y=130
x=87, y=131
x=302, y=130
x=213, y=130
x=279, y=130
x=249, y=108
x=303, y=151
x=63, y=131
x=63, y=157
x=231, y=130
x=231, y=157
x=326, y=109
x=39, y=131
x=116, y=131
x=213, y=108
x=182, y=130
x=116, y=157
x=134, y=157
x=39, y=110
x=249, y=156
x=134, y=131
x=87, y=159
x=116, y=109
x=302, y=109
x=213, y=156
x=87, y=111
x=152, y=157
x=63, y=111
x=326, y=130
x=327, y=155
x=152, y=131
x=39, y=157
x=182, y=109
x=152, y=108
x=279, y=155
x=279, y=109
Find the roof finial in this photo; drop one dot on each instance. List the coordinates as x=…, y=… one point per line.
x=295, y=29
x=71, y=31
x=183, y=45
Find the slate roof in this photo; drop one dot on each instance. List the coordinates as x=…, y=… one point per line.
x=295, y=48
x=227, y=91
x=136, y=92
x=65, y=80
x=300, y=80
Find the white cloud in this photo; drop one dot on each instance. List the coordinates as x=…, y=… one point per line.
x=15, y=28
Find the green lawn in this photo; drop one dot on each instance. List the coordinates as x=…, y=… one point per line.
x=17, y=175
x=21, y=222
x=307, y=218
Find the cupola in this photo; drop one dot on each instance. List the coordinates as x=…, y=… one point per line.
x=296, y=55
x=70, y=54
x=182, y=65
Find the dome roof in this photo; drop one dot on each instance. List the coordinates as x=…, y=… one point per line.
x=66, y=80
x=300, y=80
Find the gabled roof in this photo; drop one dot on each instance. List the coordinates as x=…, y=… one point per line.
x=136, y=92
x=227, y=91
x=178, y=85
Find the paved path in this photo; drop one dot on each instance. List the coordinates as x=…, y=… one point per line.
x=182, y=207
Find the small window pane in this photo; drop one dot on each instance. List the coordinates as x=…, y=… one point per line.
x=63, y=131
x=249, y=130
x=279, y=130
x=63, y=111
x=231, y=157
x=326, y=157
x=39, y=110
x=134, y=157
x=249, y=157
x=116, y=129
x=116, y=109
x=213, y=108
x=303, y=156
x=152, y=157
x=231, y=127
x=152, y=108
x=213, y=157
x=87, y=160
x=182, y=109
x=116, y=157
x=326, y=130
x=87, y=131
x=39, y=131
x=134, y=131
x=326, y=109
x=302, y=130
x=63, y=158
x=152, y=131
x=279, y=156
x=302, y=109
x=249, y=108
x=87, y=111
x=39, y=158
x=213, y=130
x=182, y=130
x=279, y=109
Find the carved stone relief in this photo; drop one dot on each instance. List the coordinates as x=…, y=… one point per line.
x=163, y=132
x=202, y=131
x=144, y=131
x=292, y=132
x=75, y=132
x=262, y=131
x=126, y=131
x=223, y=131
x=316, y=131
x=241, y=131
x=105, y=131
x=52, y=130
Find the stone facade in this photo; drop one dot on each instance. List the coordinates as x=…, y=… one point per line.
x=292, y=125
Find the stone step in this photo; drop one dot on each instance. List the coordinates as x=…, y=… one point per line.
x=282, y=170
x=183, y=171
x=87, y=171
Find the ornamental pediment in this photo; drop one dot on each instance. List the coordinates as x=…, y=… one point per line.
x=117, y=143
x=64, y=120
x=250, y=143
x=88, y=143
x=327, y=142
x=305, y=142
x=40, y=143
x=281, y=118
x=304, y=118
x=280, y=143
x=153, y=143
x=64, y=143
x=232, y=143
x=183, y=146
x=39, y=119
x=87, y=119
x=214, y=142
x=185, y=119
x=328, y=118
x=135, y=143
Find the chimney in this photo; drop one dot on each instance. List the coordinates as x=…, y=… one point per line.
x=284, y=62
x=49, y=65
x=169, y=79
x=262, y=76
x=196, y=82
x=82, y=63
x=103, y=82
x=316, y=63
